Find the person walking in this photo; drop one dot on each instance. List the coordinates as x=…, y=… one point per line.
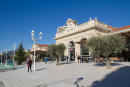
x=52, y=59
x=67, y=59
x=81, y=58
x=78, y=58
x=29, y=64
x=45, y=60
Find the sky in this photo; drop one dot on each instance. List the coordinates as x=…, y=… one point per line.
x=19, y=17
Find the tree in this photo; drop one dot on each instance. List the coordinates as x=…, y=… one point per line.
x=56, y=51
x=20, y=54
x=106, y=46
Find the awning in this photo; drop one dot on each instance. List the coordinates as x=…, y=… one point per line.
x=81, y=42
x=38, y=52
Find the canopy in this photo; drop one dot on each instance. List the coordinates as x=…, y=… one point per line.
x=81, y=42
x=38, y=52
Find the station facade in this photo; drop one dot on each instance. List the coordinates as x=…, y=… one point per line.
x=76, y=35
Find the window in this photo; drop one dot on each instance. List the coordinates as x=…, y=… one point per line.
x=70, y=24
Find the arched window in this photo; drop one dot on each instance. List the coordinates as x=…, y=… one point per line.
x=83, y=39
x=83, y=50
x=72, y=44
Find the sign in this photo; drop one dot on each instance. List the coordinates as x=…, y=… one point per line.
x=71, y=49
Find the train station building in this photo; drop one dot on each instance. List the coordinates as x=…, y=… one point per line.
x=76, y=35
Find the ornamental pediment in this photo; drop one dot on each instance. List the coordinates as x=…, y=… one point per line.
x=70, y=20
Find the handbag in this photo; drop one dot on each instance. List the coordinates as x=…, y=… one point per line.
x=28, y=65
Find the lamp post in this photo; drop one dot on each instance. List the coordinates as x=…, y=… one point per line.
x=6, y=56
x=32, y=34
x=14, y=50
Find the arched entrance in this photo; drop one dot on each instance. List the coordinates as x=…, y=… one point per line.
x=71, y=51
x=83, y=50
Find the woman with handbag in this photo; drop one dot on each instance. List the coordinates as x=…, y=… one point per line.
x=29, y=64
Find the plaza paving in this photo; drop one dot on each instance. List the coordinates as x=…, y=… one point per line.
x=68, y=75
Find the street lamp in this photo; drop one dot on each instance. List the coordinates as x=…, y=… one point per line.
x=6, y=56
x=32, y=34
x=14, y=50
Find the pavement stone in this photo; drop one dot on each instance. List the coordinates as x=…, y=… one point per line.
x=68, y=75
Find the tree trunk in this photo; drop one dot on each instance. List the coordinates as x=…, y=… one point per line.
x=57, y=62
x=108, y=66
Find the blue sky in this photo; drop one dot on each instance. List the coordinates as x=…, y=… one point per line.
x=19, y=17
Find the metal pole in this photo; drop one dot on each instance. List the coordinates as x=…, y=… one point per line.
x=6, y=57
x=32, y=34
x=34, y=57
x=13, y=58
x=14, y=53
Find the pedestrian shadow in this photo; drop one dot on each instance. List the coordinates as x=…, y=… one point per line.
x=78, y=80
x=40, y=69
x=118, y=78
x=104, y=64
x=43, y=68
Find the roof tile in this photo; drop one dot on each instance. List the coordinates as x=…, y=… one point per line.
x=122, y=28
x=42, y=45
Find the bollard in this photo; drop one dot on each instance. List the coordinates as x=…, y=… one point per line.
x=127, y=60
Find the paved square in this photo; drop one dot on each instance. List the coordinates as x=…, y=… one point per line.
x=68, y=75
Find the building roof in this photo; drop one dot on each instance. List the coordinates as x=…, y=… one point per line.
x=122, y=28
x=43, y=45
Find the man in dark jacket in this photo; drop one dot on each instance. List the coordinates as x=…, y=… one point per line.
x=29, y=64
